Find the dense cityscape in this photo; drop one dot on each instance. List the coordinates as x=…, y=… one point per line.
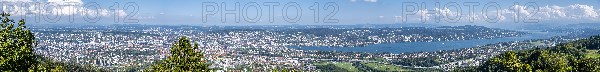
x=299, y=36
x=230, y=48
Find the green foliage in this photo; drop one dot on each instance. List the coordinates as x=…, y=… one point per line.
x=17, y=51
x=379, y=67
x=44, y=65
x=183, y=57
x=16, y=45
x=326, y=66
x=591, y=43
x=507, y=62
x=588, y=65
x=285, y=70
x=567, y=57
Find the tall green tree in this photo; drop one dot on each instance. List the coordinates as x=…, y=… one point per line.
x=184, y=57
x=507, y=61
x=16, y=45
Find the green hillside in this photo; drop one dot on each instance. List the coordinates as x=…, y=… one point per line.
x=576, y=56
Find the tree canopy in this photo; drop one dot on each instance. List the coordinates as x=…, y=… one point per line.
x=567, y=57
x=16, y=45
x=184, y=57
x=17, y=50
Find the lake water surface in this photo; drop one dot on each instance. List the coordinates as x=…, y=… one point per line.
x=430, y=46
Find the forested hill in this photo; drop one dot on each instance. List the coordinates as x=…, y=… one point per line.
x=576, y=56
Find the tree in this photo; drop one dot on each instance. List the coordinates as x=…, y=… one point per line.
x=16, y=45
x=589, y=65
x=17, y=51
x=507, y=61
x=565, y=57
x=45, y=65
x=183, y=57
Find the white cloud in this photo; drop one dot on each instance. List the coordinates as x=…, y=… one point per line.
x=586, y=10
x=552, y=12
x=423, y=15
x=65, y=1
x=15, y=0
x=370, y=0
x=57, y=7
x=495, y=15
x=574, y=12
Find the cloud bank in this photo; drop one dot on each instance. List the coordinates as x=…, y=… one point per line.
x=574, y=12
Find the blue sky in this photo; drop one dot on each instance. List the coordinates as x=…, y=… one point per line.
x=190, y=12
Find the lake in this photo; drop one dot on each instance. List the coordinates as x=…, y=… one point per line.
x=430, y=46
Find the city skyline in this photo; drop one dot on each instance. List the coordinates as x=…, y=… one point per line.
x=300, y=35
